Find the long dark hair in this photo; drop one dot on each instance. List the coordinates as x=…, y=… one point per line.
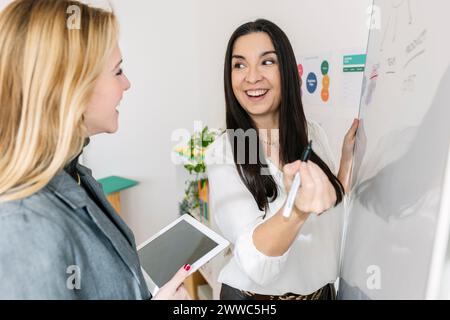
x=293, y=130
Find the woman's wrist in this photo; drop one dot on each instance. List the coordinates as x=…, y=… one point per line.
x=298, y=215
x=346, y=160
x=344, y=173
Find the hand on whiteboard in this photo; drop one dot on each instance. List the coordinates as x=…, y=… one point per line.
x=349, y=141
x=174, y=289
x=316, y=193
x=347, y=155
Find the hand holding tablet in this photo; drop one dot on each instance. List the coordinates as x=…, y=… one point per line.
x=184, y=241
x=174, y=289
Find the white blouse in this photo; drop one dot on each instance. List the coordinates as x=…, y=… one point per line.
x=311, y=262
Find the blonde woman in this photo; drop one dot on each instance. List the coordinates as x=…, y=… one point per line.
x=59, y=236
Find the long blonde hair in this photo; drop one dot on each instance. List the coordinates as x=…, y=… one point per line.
x=48, y=69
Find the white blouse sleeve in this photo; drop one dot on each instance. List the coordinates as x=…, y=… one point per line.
x=237, y=215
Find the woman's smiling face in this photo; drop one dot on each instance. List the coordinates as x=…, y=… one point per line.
x=101, y=115
x=255, y=74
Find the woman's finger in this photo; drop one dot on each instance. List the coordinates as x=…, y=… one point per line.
x=305, y=194
x=289, y=172
x=328, y=192
x=182, y=294
x=352, y=131
x=179, y=277
x=315, y=171
x=318, y=171
x=307, y=182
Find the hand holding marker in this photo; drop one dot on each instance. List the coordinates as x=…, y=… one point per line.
x=296, y=184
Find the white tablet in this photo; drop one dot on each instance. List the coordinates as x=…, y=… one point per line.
x=183, y=241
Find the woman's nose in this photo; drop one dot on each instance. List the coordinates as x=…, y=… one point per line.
x=253, y=75
x=127, y=84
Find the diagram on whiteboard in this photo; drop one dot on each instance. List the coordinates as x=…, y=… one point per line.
x=314, y=72
x=398, y=7
x=397, y=58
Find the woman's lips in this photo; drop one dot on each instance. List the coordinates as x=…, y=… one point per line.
x=256, y=95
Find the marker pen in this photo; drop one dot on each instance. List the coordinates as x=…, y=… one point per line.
x=296, y=184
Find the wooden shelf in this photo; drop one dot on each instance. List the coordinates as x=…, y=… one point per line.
x=192, y=283
x=112, y=186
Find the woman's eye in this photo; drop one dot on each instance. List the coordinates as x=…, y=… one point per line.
x=238, y=65
x=268, y=62
x=120, y=72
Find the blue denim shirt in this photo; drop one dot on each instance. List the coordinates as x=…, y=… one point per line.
x=59, y=244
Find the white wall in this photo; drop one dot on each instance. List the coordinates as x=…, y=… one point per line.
x=173, y=52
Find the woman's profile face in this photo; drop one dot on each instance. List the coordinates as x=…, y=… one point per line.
x=255, y=74
x=101, y=115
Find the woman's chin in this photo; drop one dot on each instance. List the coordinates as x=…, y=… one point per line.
x=113, y=130
x=259, y=112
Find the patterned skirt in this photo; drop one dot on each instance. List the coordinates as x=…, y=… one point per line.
x=327, y=292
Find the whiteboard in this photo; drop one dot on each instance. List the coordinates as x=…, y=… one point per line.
x=397, y=222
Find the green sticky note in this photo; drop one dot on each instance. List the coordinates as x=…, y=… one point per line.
x=354, y=59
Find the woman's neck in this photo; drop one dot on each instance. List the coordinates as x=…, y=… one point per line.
x=267, y=122
x=268, y=131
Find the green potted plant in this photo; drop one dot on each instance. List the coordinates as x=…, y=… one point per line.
x=192, y=154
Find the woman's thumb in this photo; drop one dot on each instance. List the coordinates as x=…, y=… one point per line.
x=292, y=168
x=355, y=125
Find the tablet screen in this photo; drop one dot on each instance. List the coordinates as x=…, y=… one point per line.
x=162, y=257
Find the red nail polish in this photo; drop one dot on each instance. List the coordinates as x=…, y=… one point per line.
x=187, y=267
